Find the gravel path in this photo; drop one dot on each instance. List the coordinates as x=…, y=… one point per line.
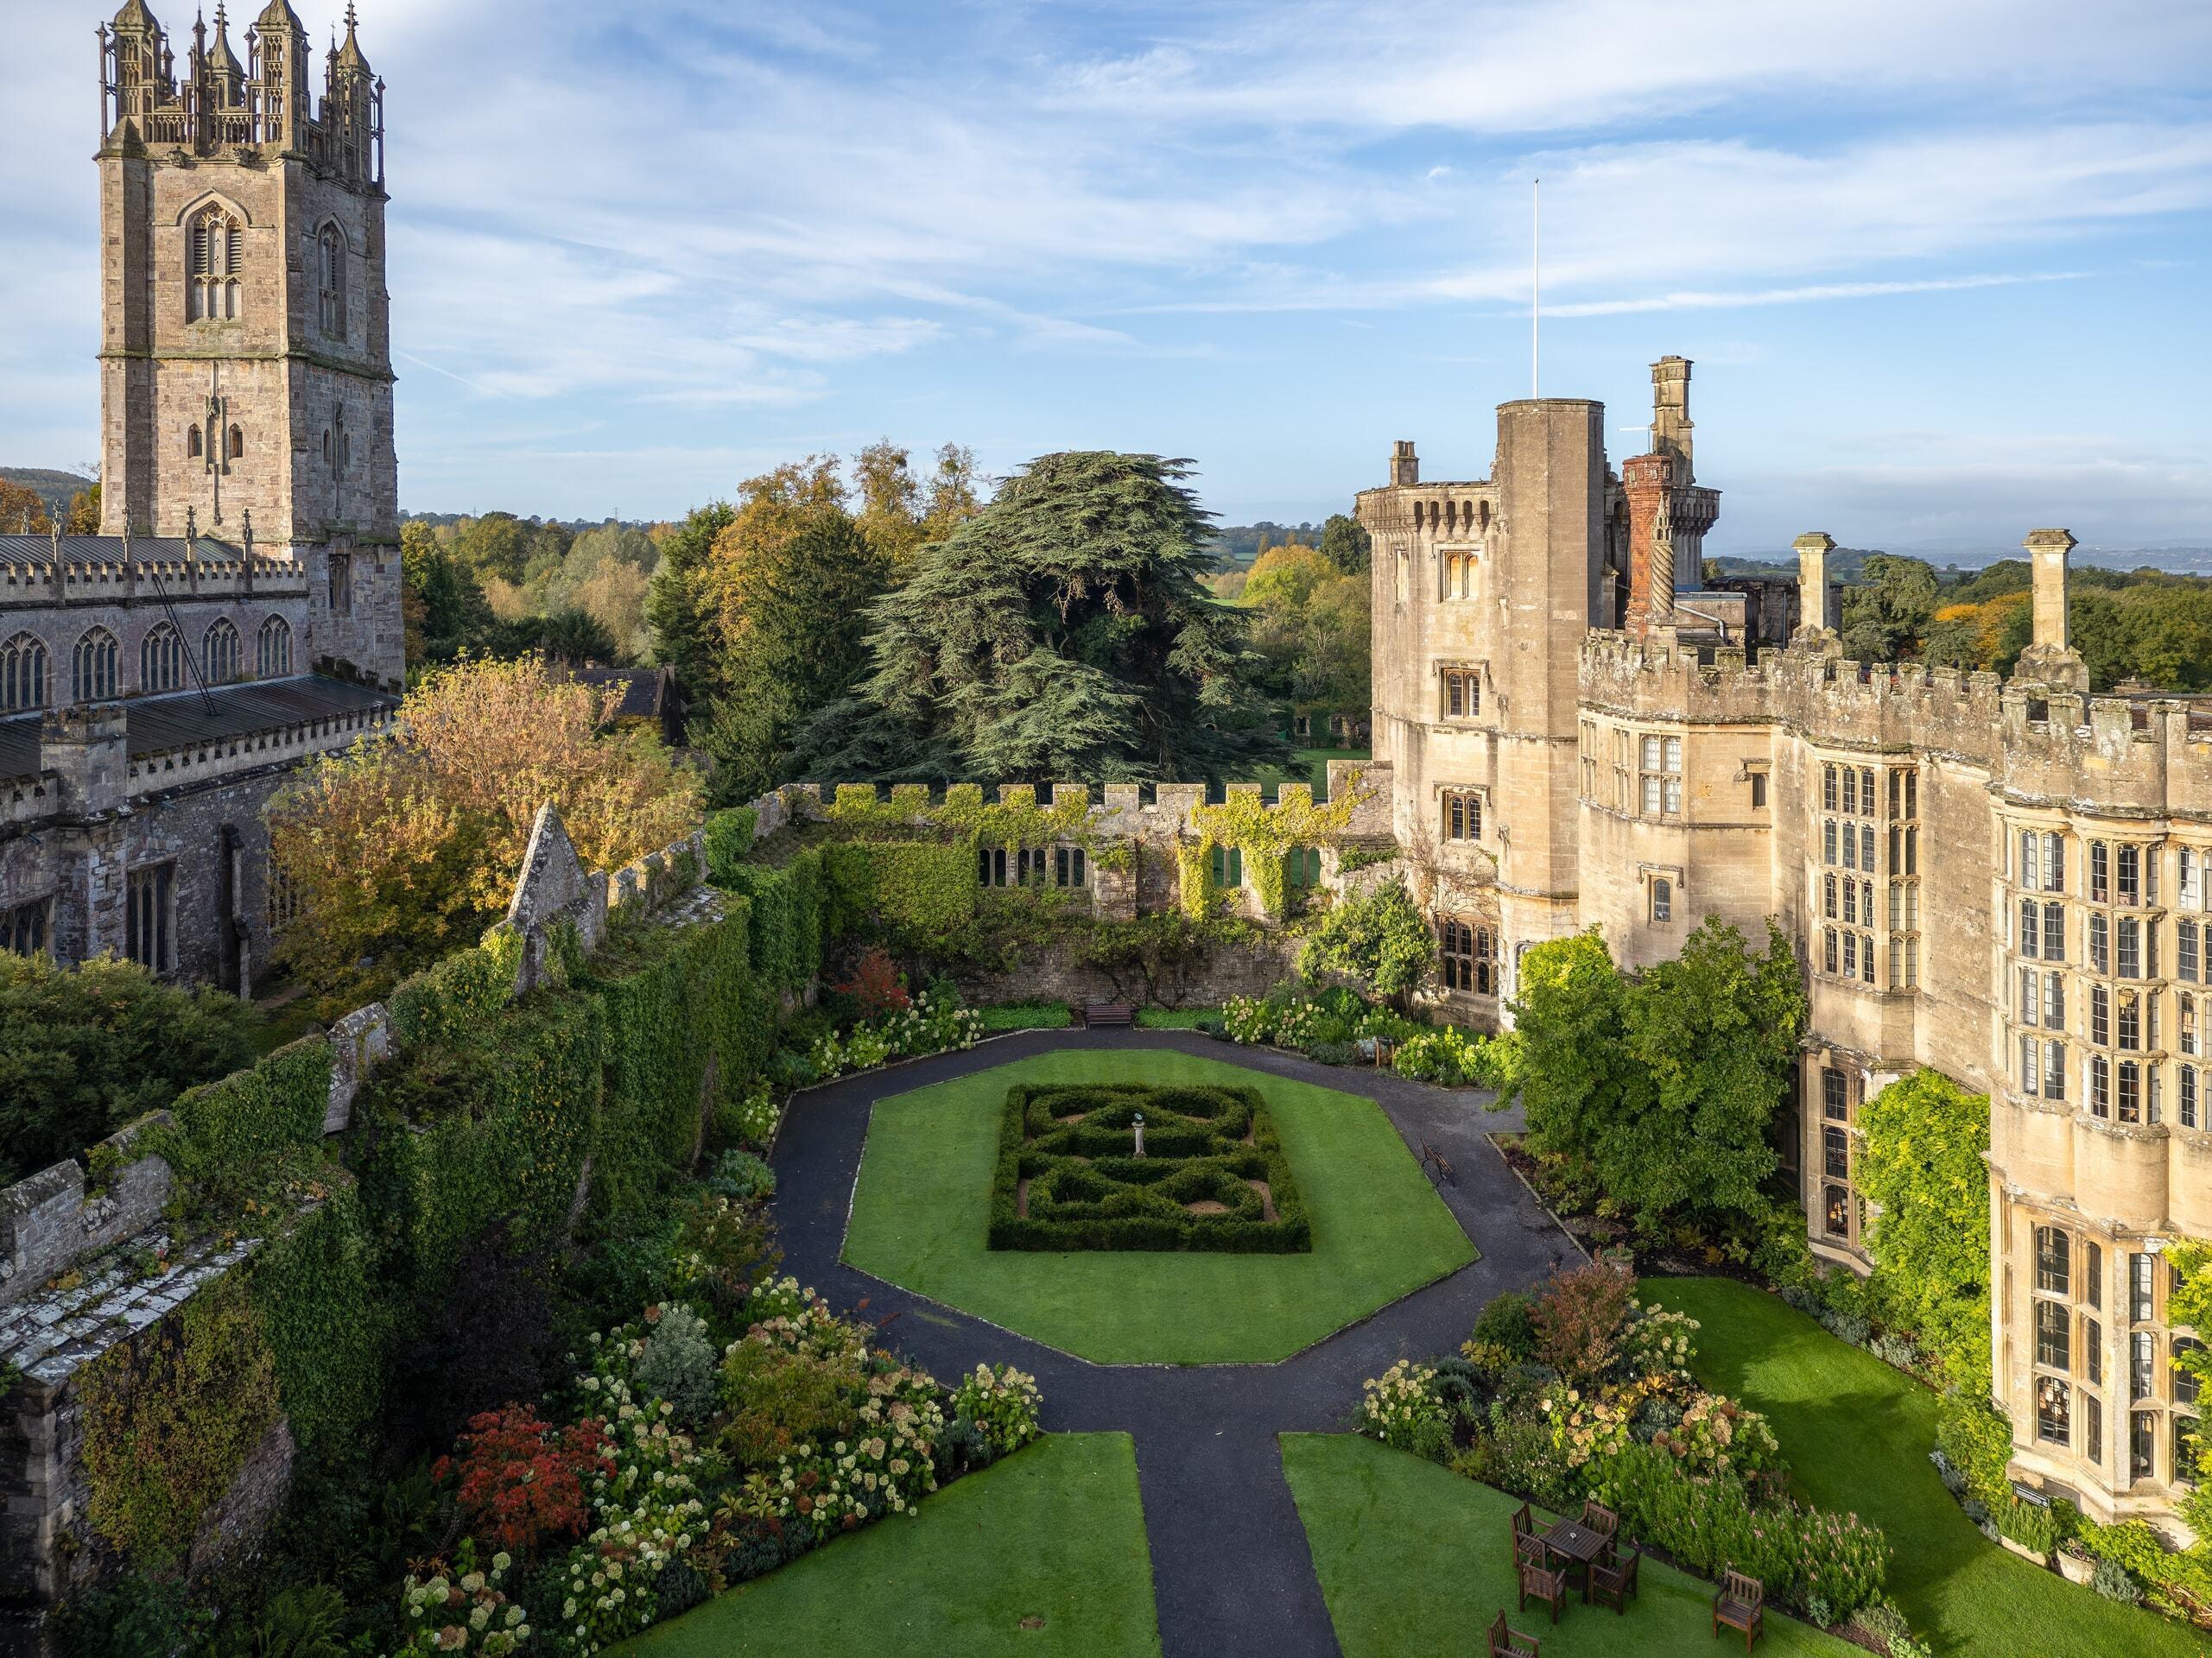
x=1230, y=1569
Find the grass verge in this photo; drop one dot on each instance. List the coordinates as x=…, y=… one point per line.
x=921, y=1217
x=1415, y=1561
x=1043, y=1554
x=1857, y=1434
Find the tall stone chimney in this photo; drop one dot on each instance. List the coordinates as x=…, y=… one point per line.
x=1815, y=616
x=1670, y=414
x=2052, y=659
x=1405, y=465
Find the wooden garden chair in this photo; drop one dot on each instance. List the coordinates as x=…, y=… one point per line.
x=1512, y=1643
x=1546, y=1584
x=1740, y=1605
x=1599, y=1518
x=1614, y=1585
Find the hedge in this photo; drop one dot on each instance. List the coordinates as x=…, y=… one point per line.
x=1072, y=1144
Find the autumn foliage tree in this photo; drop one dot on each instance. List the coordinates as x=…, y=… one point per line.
x=524, y=1482
x=401, y=849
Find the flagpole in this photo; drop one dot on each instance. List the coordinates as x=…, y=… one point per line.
x=1536, y=282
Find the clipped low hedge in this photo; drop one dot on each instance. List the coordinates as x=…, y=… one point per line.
x=1065, y=1156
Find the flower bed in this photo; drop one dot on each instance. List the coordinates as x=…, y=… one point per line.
x=1212, y=1175
x=673, y=1467
x=1582, y=1392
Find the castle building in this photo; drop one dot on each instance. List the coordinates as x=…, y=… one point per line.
x=2005, y=880
x=239, y=610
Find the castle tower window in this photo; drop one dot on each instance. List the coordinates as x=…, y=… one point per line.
x=2185, y=950
x=2186, y=1019
x=1229, y=866
x=2187, y=1382
x=2030, y=1066
x=192, y=443
x=1661, y=776
x=1828, y=950
x=2031, y=995
x=2142, y=1366
x=220, y=652
x=2054, y=932
x=2053, y=1409
x=1462, y=693
x=332, y=264
x=24, y=670
x=2187, y=865
x=1067, y=867
x=2100, y=885
x=2054, y=864
x=2142, y=1445
x=1463, y=816
x=2054, y=1072
x=2054, y=1001
x=237, y=446
x=1827, y=896
x=2100, y=1085
x=2188, y=1119
x=2131, y=947
x=95, y=668
x=2053, y=1260
x=1828, y=788
x=1468, y=952
x=149, y=920
x=272, y=649
x=2099, y=1015
x=214, y=264
x=2128, y=876
x=2054, y=1332
x=2131, y=1092
x=2131, y=1024
x=2031, y=859
x=2100, y=945
x=2030, y=943
x=24, y=928
x=160, y=659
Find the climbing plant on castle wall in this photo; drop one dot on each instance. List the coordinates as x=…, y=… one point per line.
x=242, y=1142
x=171, y=1417
x=678, y=1042
x=324, y=1320
x=1265, y=835
x=1921, y=1162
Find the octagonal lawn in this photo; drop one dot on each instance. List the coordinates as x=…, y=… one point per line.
x=921, y=1217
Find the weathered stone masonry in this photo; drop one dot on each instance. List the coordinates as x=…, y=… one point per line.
x=2005, y=881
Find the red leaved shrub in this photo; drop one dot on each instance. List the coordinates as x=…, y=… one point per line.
x=1578, y=1314
x=875, y=987
x=524, y=1482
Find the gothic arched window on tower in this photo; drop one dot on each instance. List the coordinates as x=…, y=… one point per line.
x=160, y=659
x=94, y=667
x=220, y=655
x=331, y=263
x=272, y=649
x=237, y=444
x=192, y=443
x=214, y=264
x=23, y=673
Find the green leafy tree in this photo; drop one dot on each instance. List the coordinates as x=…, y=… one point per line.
x=1921, y=1164
x=679, y=608
x=1061, y=633
x=1659, y=1091
x=1715, y=1032
x=85, y=1050
x=443, y=606
x=1378, y=940
x=498, y=544
x=1886, y=614
x=1347, y=545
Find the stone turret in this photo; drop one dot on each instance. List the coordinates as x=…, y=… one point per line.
x=1815, y=607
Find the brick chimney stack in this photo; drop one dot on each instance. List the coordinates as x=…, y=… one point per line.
x=1648, y=481
x=2052, y=659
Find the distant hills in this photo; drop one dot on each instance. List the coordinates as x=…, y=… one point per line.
x=55, y=489
x=1845, y=564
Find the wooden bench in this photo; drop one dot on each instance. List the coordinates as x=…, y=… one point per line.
x=1096, y=1014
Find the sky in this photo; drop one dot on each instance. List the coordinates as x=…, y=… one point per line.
x=1942, y=264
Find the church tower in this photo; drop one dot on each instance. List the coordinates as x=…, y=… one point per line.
x=245, y=360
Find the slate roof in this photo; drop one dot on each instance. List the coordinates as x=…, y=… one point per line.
x=180, y=719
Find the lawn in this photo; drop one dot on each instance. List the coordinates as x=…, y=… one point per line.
x=1043, y=1554
x=1857, y=1434
x=1414, y=1560
x=921, y=1217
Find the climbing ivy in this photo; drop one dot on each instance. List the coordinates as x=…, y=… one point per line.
x=1265, y=835
x=170, y=1418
